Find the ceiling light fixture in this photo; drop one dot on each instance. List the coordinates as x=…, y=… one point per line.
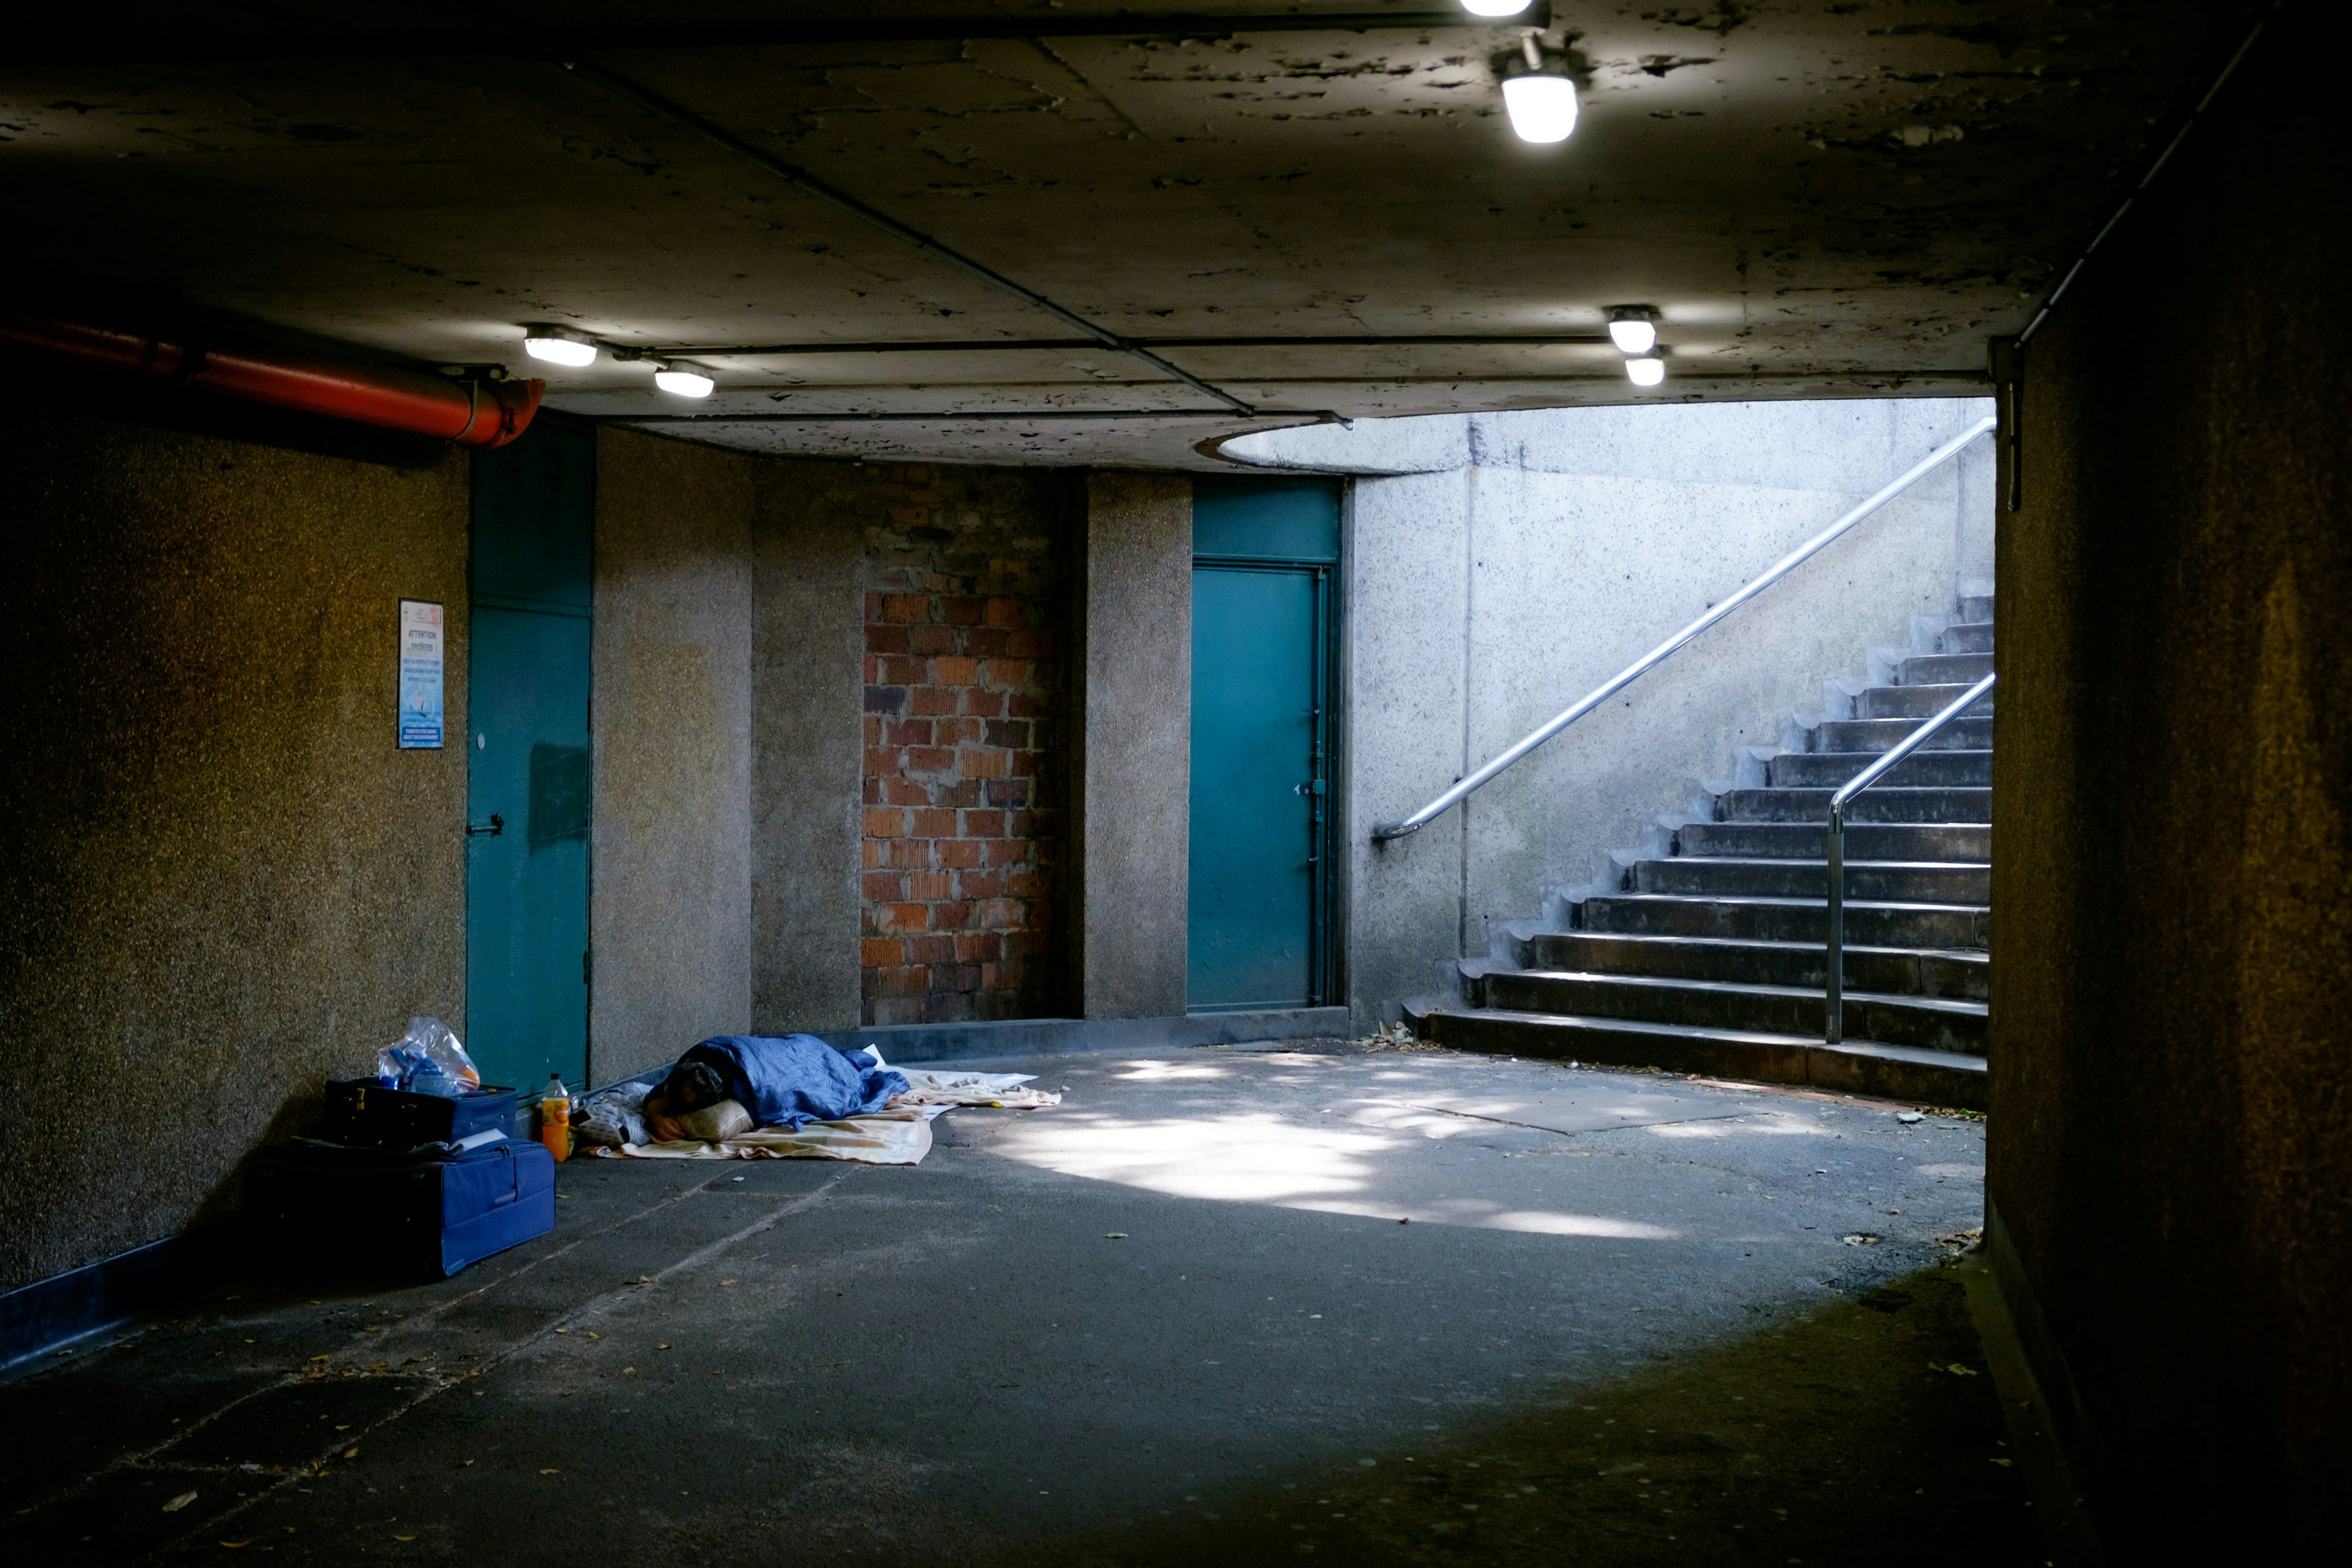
x=684, y=380
x=1495, y=7
x=1541, y=101
x=1647, y=371
x=1634, y=334
x=559, y=345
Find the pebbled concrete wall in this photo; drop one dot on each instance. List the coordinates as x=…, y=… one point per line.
x=1488, y=593
x=220, y=881
x=670, y=895
x=2170, y=1148
x=1131, y=782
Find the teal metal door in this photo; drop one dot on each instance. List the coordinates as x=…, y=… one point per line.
x=1264, y=557
x=527, y=788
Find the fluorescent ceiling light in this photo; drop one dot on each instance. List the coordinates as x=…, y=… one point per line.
x=1646, y=371
x=1633, y=336
x=566, y=349
x=683, y=382
x=1495, y=7
x=1542, y=105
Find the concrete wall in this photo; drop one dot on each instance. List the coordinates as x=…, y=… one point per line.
x=2170, y=1150
x=1131, y=791
x=220, y=881
x=808, y=639
x=1488, y=595
x=670, y=900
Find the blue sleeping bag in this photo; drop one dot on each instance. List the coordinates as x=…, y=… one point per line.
x=790, y=1080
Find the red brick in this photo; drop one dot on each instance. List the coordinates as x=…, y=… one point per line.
x=961, y=611
x=1030, y=645
x=906, y=854
x=1008, y=792
x=986, y=641
x=959, y=854
x=929, y=640
x=955, y=671
x=910, y=981
x=882, y=886
x=902, y=917
x=932, y=700
x=1011, y=733
x=983, y=824
x=884, y=821
x=880, y=762
x=1023, y=824
x=897, y=1009
x=873, y=606
x=935, y=822
x=871, y=792
x=961, y=792
x=1029, y=764
x=899, y=671
x=979, y=884
x=962, y=731
x=1008, y=851
x=930, y=949
x=950, y=917
x=930, y=759
x=1008, y=673
x=954, y=1007
x=885, y=698
x=930, y=887
x=908, y=732
x=886, y=639
x=1022, y=706
x=999, y=913
x=983, y=703
x=980, y=763
x=978, y=947
x=901, y=792
x=1003, y=613
x=870, y=852
x=1019, y=884
x=905, y=608
x=880, y=951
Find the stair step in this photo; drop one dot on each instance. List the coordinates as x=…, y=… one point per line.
x=1970, y=732
x=1963, y=841
x=1961, y=976
x=1857, y=1067
x=1943, y=668
x=1966, y=636
x=1900, y=882
x=1889, y=803
x=1976, y=607
x=1871, y=922
x=1921, y=770
x=1919, y=701
x=1935, y=1022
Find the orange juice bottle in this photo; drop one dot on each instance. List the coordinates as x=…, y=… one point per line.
x=555, y=1118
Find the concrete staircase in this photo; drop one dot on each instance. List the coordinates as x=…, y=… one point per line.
x=1708, y=956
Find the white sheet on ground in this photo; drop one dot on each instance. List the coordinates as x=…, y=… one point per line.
x=899, y=1135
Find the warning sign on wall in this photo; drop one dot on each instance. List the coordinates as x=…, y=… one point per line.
x=420, y=674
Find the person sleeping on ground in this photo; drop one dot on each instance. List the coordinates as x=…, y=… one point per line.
x=787, y=1080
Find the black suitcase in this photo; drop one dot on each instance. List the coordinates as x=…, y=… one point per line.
x=381, y=1215
x=360, y=1111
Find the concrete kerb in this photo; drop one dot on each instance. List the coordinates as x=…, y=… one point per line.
x=918, y=1043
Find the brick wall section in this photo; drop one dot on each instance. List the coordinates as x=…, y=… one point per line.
x=964, y=702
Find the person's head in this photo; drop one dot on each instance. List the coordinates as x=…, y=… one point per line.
x=690, y=1086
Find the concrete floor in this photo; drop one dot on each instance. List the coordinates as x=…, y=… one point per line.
x=1174, y=1319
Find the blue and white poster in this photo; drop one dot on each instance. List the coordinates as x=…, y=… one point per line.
x=420, y=674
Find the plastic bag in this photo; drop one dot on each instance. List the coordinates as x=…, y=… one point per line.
x=429, y=1060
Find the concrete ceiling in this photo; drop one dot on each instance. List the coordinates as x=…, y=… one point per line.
x=1823, y=198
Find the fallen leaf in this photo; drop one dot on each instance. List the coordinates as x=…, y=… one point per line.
x=564, y=1331
x=661, y=1347
x=547, y=1472
x=177, y=1503
x=2002, y=1463
x=321, y=1358
x=628, y=1370
x=351, y=1453
x=403, y=1538
x=367, y=1329
x=463, y=1463
x=594, y=1335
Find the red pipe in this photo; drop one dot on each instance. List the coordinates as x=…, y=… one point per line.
x=471, y=412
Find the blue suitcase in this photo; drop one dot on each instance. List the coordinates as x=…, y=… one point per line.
x=383, y=1214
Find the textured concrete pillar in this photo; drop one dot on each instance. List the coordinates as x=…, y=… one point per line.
x=1131, y=778
x=671, y=905
x=807, y=674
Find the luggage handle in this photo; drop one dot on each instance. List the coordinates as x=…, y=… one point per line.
x=514, y=1179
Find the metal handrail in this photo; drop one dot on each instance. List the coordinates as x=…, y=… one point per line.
x=1623, y=678
x=1834, y=1030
